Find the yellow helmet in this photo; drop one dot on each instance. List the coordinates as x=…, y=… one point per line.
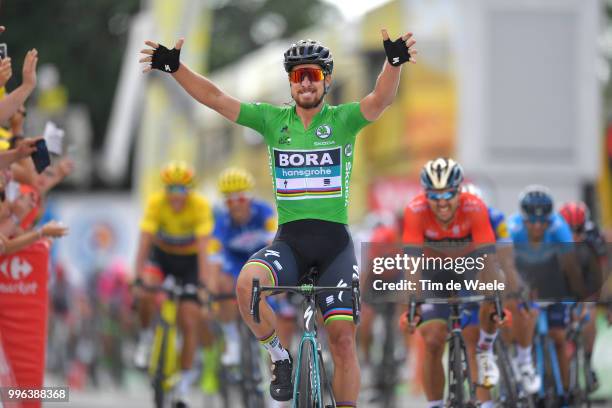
x=234, y=180
x=177, y=173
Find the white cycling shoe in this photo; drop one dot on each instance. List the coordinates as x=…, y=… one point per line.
x=142, y=355
x=488, y=373
x=530, y=379
x=231, y=356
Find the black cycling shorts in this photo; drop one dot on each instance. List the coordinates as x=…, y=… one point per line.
x=184, y=268
x=305, y=244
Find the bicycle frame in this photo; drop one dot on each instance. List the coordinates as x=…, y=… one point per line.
x=164, y=343
x=455, y=339
x=309, y=335
x=543, y=346
x=163, y=362
x=455, y=331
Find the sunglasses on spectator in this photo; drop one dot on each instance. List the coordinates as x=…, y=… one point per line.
x=314, y=75
x=445, y=195
x=238, y=198
x=177, y=189
x=533, y=219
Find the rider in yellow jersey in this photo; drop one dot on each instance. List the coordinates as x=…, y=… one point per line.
x=173, y=241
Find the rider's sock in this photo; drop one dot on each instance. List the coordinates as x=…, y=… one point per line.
x=274, y=347
x=230, y=330
x=210, y=356
x=435, y=404
x=346, y=404
x=485, y=342
x=187, y=378
x=487, y=404
x=146, y=335
x=523, y=354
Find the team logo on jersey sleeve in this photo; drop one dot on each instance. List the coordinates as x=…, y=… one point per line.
x=348, y=150
x=323, y=131
x=308, y=173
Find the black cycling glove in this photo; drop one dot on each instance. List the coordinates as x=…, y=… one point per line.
x=166, y=60
x=397, y=52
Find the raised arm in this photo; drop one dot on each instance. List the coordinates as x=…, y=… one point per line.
x=374, y=104
x=11, y=103
x=196, y=85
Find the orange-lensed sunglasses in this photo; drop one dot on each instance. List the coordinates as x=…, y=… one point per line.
x=313, y=74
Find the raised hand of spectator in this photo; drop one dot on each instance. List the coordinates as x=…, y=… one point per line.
x=26, y=148
x=54, y=229
x=6, y=71
x=29, y=69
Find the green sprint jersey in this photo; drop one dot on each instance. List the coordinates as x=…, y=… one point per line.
x=311, y=168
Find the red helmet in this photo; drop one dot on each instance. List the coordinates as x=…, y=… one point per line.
x=576, y=214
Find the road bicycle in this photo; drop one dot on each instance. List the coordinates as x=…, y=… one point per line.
x=312, y=386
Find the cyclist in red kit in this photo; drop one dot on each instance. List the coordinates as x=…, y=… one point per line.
x=444, y=215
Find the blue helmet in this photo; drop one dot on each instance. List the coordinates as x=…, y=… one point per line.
x=537, y=201
x=441, y=173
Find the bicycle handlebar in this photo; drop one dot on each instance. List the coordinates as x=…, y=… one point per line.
x=306, y=290
x=454, y=300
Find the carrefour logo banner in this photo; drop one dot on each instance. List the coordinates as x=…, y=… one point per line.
x=25, y=272
x=308, y=173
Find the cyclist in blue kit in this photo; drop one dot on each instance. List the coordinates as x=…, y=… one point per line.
x=545, y=259
x=242, y=227
x=523, y=320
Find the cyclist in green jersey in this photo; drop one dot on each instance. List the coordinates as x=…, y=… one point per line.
x=310, y=145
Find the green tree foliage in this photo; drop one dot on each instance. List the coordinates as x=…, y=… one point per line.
x=240, y=26
x=85, y=39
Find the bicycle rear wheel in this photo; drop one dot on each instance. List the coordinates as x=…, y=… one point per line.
x=305, y=397
x=327, y=393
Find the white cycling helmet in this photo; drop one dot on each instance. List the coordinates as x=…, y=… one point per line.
x=441, y=173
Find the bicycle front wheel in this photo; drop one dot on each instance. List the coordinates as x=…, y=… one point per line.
x=508, y=388
x=457, y=374
x=252, y=395
x=306, y=387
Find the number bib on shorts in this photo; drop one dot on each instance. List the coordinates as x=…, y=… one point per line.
x=311, y=168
